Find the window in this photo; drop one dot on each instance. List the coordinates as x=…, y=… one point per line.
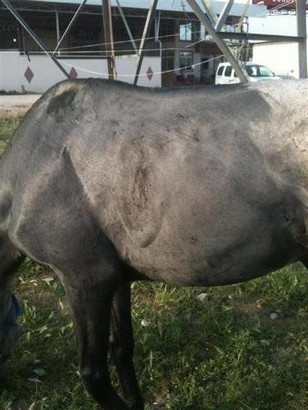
x=258, y=71
x=220, y=71
x=185, y=31
x=186, y=60
x=265, y=72
x=228, y=71
x=203, y=32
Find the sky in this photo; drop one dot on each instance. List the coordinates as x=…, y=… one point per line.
x=166, y=4
x=281, y=25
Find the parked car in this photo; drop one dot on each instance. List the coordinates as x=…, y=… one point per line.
x=225, y=73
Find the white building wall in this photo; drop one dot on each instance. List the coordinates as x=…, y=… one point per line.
x=13, y=67
x=282, y=58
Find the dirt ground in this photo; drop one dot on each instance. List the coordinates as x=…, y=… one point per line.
x=16, y=104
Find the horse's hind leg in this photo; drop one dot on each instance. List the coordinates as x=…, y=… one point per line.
x=122, y=346
x=10, y=259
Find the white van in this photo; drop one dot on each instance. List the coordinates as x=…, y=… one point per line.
x=225, y=73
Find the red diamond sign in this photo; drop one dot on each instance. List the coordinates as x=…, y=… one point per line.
x=150, y=73
x=29, y=74
x=73, y=74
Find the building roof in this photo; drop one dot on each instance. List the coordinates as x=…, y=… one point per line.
x=173, y=5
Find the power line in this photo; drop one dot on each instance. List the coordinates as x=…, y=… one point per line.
x=140, y=75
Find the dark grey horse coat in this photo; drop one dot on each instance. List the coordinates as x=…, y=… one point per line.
x=107, y=183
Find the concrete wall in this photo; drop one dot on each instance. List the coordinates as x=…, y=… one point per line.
x=14, y=68
x=282, y=58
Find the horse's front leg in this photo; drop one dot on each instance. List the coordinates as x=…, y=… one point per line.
x=90, y=288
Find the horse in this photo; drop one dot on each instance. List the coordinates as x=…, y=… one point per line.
x=107, y=183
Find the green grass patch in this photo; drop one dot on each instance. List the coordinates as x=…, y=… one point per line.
x=196, y=348
x=225, y=352
x=2, y=92
x=7, y=128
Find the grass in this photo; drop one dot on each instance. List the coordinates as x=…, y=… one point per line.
x=7, y=127
x=196, y=348
x=2, y=92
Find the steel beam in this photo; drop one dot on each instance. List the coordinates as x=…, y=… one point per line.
x=220, y=43
x=127, y=27
x=57, y=25
x=18, y=17
x=244, y=12
x=223, y=15
x=302, y=32
x=150, y=17
x=271, y=38
x=157, y=28
x=210, y=11
x=109, y=45
x=70, y=25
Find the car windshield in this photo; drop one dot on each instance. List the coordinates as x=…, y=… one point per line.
x=258, y=71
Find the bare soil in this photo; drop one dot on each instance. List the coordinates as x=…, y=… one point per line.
x=11, y=105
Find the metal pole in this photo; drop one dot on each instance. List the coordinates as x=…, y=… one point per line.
x=224, y=14
x=244, y=14
x=68, y=28
x=150, y=16
x=302, y=32
x=210, y=11
x=127, y=27
x=220, y=43
x=57, y=26
x=157, y=28
x=109, y=45
x=9, y=6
